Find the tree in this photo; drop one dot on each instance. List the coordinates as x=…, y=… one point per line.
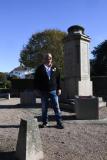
x=3, y=80
x=99, y=63
x=50, y=41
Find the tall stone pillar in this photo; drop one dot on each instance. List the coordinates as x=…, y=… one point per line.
x=76, y=63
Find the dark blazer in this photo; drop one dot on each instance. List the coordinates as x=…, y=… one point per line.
x=43, y=83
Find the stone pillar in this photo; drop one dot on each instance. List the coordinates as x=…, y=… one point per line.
x=8, y=95
x=76, y=63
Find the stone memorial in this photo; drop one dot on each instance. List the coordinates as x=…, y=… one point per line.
x=76, y=63
x=77, y=74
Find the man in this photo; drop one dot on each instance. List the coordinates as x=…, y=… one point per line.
x=47, y=81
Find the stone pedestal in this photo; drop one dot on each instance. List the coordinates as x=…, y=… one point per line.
x=84, y=88
x=86, y=107
x=27, y=98
x=76, y=63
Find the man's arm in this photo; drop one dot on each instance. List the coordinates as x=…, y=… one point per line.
x=58, y=83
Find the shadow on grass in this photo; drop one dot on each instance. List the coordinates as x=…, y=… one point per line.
x=9, y=126
x=19, y=106
x=7, y=155
x=52, y=117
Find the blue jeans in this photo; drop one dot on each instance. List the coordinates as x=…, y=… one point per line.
x=55, y=104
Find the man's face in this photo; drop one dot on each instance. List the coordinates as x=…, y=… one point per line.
x=48, y=59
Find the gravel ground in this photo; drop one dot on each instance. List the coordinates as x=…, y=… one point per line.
x=79, y=140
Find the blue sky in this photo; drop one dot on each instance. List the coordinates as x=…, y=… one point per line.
x=19, y=19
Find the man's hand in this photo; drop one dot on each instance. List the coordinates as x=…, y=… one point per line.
x=59, y=92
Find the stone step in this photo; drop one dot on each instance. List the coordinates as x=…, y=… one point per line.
x=98, y=121
x=69, y=104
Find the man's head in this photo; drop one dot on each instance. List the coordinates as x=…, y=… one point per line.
x=47, y=59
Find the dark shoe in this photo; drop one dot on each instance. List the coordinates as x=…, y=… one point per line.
x=60, y=126
x=44, y=125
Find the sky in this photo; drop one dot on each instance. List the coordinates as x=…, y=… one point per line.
x=19, y=19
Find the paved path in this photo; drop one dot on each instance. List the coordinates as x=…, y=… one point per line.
x=79, y=140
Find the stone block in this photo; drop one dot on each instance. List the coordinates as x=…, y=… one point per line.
x=29, y=145
x=86, y=107
x=5, y=95
x=27, y=98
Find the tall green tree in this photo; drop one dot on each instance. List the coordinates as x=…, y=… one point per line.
x=99, y=63
x=3, y=79
x=50, y=41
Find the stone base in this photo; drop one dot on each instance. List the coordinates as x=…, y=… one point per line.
x=86, y=107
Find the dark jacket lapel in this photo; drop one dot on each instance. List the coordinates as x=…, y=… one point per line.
x=44, y=71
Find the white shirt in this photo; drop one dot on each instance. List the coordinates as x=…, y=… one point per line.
x=48, y=70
